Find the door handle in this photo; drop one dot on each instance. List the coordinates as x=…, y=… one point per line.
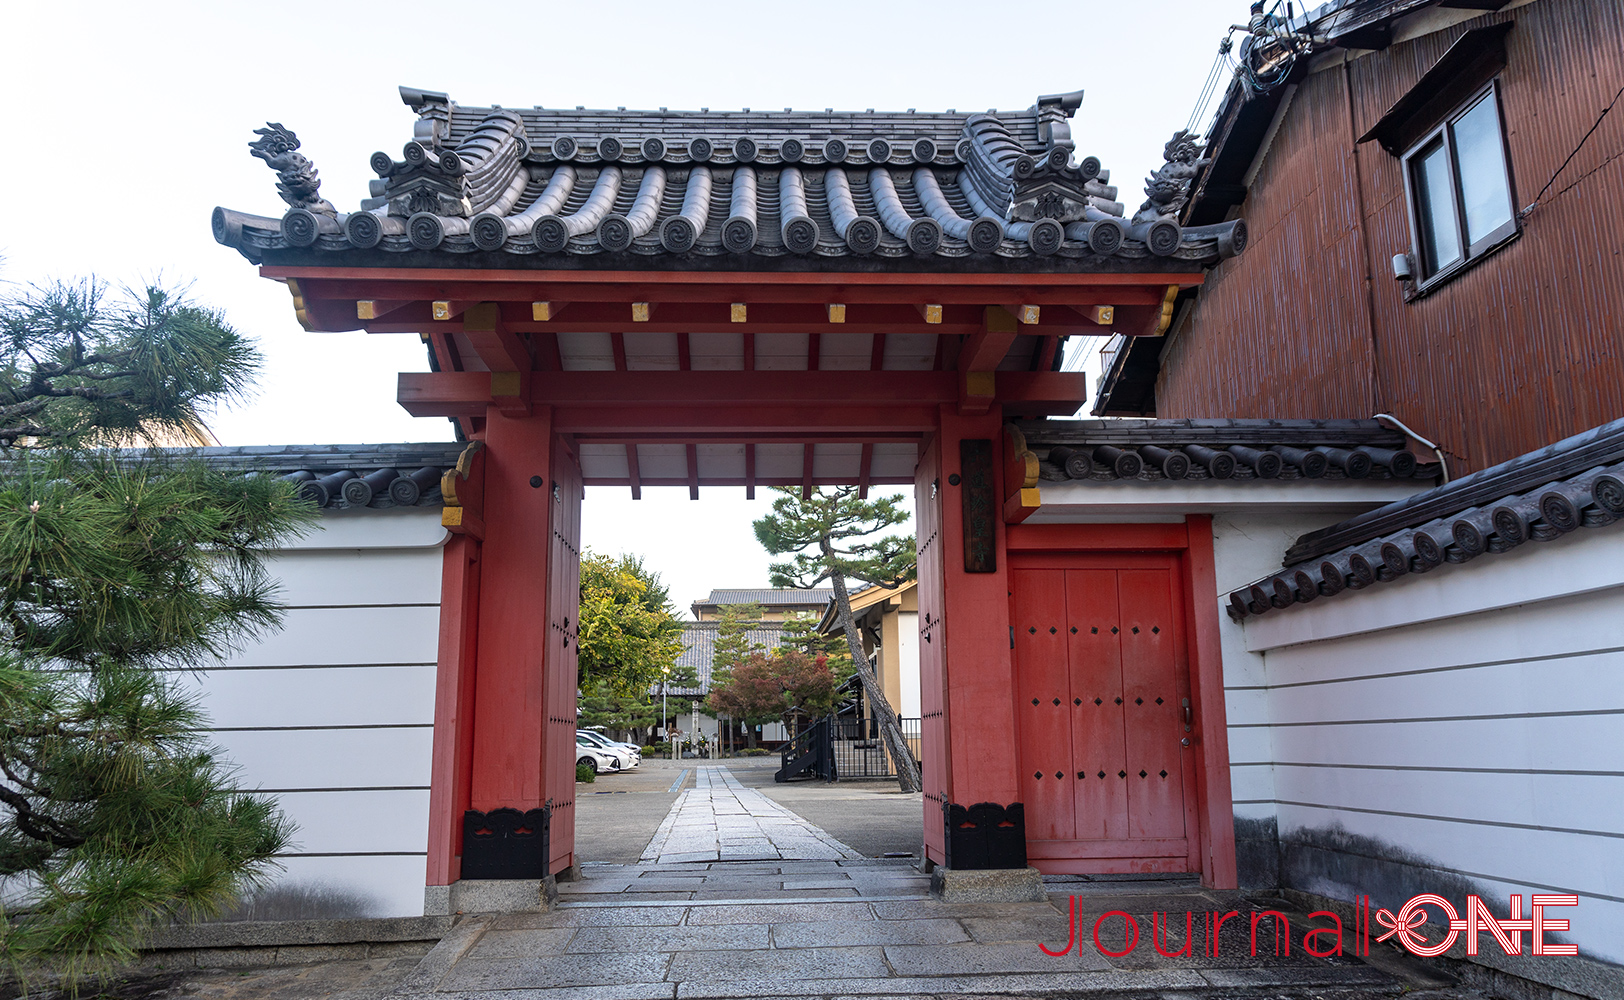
x=1187, y=719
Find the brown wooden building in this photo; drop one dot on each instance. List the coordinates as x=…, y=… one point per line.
x=1470, y=148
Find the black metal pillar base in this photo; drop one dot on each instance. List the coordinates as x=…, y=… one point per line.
x=985, y=836
x=506, y=844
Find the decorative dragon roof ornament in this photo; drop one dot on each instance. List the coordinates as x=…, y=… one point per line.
x=296, y=178
x=1168, y=188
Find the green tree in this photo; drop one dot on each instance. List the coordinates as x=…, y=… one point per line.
x=835, y=535
x=805, y=633
x=733, y=647
x=629, y=633
x=633, y=714
x=120, y=571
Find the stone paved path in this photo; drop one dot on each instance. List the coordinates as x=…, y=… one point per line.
x=864, y=928
x=721, y=820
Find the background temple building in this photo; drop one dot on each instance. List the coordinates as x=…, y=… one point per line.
x=777, y=603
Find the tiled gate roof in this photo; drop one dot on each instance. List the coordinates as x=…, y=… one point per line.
x=564, y=185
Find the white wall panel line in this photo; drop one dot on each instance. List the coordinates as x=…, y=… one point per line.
x=1556, y=742
x=352, y=607
x=1434, y=768
x=352, y=854
x=306, y=729
x=295, y=666
x=1579, y=683
x=1334, y=807
x=1570, y=802
x=1570, y=714
x=1418, y=671
x=354, y=788
x=1550, y=629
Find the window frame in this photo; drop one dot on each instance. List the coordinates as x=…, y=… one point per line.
x=1471, y=253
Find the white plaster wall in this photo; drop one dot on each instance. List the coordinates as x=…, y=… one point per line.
x=908, y=662
x=1470, y=718
x=1247, y=545
x=333, y=714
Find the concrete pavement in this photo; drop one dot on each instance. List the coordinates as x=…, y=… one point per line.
x=721, y=820
x=865, y=928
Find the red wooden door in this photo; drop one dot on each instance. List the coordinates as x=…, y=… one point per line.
x=563, y=610
x=1095, y=658
x=1043, y=702
x=1102, y=674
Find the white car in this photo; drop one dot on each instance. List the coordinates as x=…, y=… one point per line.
x=629, y=755
x=597, y=758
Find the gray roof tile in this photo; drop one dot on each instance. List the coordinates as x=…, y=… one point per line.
x=1114, y=449
x=768, y=597
x=345, y=476
x=1575, y=483
x=699, y=649
x=1005, y=187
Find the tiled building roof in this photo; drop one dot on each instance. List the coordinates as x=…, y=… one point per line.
x=767, y=597
x=490, y=186
x=1577, y=482
x=1282, y=450
x=699, y=649
x=347, y=476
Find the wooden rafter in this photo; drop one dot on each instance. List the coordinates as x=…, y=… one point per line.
x=807, y=453
x=988, y=345
x=633, y=473
x=1043, y=357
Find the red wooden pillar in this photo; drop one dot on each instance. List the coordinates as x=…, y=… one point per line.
x=510, y=703
x=453, y=707
x=1218, y=870
x=504, y=733
x=969, y=652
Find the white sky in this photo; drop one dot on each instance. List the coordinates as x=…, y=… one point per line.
x=129, y=123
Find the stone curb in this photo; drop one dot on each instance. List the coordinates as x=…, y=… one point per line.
x=281, y=933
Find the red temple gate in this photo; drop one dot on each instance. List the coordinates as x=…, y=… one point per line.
x=890, y=349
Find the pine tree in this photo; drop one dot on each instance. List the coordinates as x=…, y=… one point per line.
x=835, y=535
x=119, y=572
x=804, y=633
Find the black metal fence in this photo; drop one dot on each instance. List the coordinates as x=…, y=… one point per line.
x=844, y=749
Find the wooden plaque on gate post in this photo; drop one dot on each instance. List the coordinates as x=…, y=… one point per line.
x=980, y=526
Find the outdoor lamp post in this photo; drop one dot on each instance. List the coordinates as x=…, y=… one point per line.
x=665, y=718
